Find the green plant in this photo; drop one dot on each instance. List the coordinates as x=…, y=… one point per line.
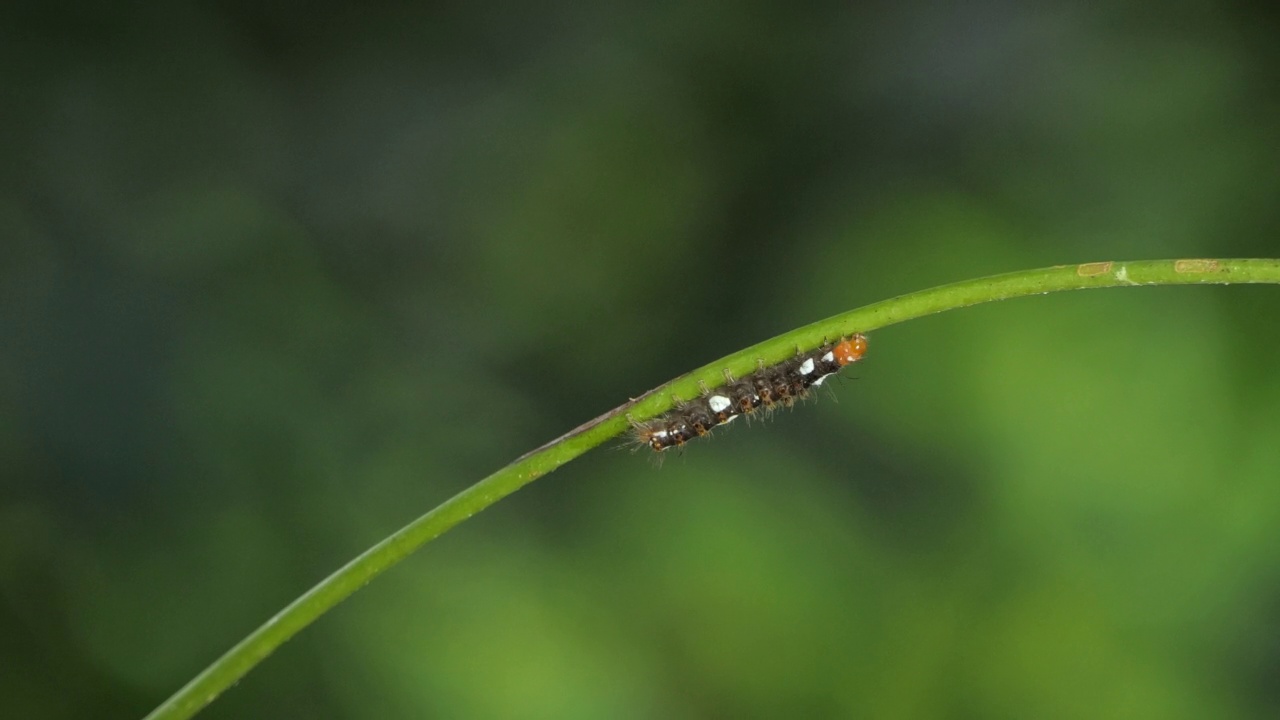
x=233, y=665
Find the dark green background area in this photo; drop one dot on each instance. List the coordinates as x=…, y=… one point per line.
x=277, y=278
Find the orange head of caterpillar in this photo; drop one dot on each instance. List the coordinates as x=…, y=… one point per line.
x=851, y=350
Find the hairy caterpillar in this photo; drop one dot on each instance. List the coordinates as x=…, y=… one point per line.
x=765, y=389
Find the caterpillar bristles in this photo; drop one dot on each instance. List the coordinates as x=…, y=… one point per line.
x=769, y=388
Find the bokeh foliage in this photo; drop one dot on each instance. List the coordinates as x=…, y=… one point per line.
x=275, y=279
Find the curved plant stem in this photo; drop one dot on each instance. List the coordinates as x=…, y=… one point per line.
x=229, y=668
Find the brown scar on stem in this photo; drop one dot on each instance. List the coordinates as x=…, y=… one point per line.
x=1195, y=266
x=1093, y=269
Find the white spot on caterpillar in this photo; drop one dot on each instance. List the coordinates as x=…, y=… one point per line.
x=731, y=419
x=830, y=357
x=820, y=380
x=718, y=403
x=806, y=367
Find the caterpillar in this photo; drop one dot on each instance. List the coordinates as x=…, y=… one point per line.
x=768, y=388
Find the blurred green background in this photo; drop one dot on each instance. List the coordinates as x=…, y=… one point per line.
x=277, y=277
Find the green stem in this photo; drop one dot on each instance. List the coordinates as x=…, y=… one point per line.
x=232, y=666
